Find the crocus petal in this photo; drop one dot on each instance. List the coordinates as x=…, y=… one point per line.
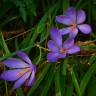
x=20, y=81
x=15, y=63
x=62, y=55
x=71, y=12
x=68, y=43
x=63, y=19
x=32, y=79
x=33, y=67
x=81, y=16
x=11, y=75
x=64, y=31
x=52, y=46
x=24, y=56
x=85, y=28
x=73, y=33
x=52, y=57
x=56, y=36
x=73, y=49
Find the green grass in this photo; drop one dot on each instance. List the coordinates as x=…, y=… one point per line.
x=73, y=76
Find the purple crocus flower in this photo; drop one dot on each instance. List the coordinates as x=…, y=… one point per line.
x=57, y=48
x=74, y=20
x=23, y=70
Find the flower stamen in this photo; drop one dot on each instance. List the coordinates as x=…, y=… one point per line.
x=73, y=25
x=21, y=72
x=62, y=50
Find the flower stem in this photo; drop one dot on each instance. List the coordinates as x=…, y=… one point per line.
x=42, y=47
x=6, y=85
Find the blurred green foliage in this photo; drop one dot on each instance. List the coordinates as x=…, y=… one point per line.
x=24, y=24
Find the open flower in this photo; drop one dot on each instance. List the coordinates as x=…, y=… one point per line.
x=57, y=48
x=23, y=70
x=74, y=20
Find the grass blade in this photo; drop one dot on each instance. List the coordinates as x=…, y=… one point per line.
x=87, y=77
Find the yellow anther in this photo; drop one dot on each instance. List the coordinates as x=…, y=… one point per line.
x=62, y=50
x=22, y=71
x=73, y=25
